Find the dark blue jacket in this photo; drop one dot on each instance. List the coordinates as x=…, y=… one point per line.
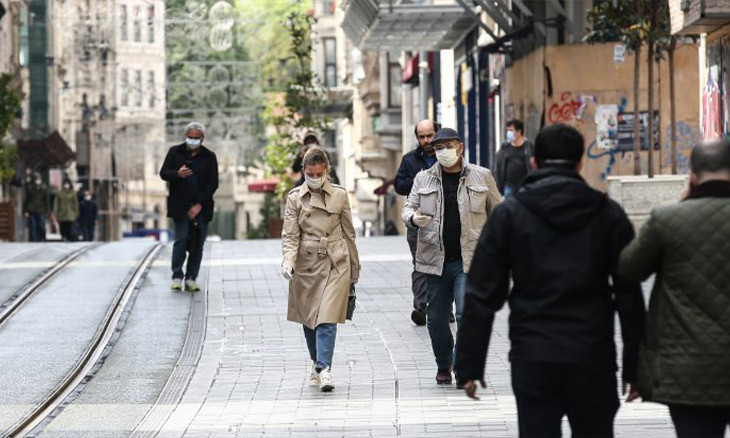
x=412, y=163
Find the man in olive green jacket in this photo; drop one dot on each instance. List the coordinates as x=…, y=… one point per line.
x=684, y=358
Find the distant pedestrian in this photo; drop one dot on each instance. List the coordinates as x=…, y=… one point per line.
x=310, y=140
x=320, y=261
x=36, y=207
x=66, y=210
x=684, y=358
x=418, y=159
x=559, y=241
x=513, y=159
x=191, y=170
x=88, y=216
x=448, y=205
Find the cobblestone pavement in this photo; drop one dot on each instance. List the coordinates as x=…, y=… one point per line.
x=252, y=376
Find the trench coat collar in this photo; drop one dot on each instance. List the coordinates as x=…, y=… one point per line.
x=316, y=201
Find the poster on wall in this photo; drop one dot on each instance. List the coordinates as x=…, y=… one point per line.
x=625, y=131
x=711, y=112
x=607, y=126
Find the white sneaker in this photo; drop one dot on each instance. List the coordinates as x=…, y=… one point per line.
x=326, y=384
x=314, y=376
x=176, y=284
x=191, y=286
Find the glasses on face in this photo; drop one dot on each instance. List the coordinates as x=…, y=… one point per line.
x=442, y=146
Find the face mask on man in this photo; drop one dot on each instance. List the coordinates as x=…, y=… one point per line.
x=193, y=143
x=67, y=186
x=314, y=183
x=447, y=157
x=37, y=182
x=510, y=136
x=87, y=198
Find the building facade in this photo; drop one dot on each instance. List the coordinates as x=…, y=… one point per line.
x=475, y=65
x=710, y=20
x=108, y=100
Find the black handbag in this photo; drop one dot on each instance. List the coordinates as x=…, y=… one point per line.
x=351, y=303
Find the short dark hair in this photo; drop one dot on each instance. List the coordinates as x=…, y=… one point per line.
x=559, y=145
x=517, y=124
x=711, y=156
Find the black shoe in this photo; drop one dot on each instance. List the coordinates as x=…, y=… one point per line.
x=452, y=319
x=418, y=317
x=443, y=377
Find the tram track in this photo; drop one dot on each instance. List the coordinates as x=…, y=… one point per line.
x=95, y=349
x=12, y=304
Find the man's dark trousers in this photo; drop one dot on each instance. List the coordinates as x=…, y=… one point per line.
x=418, y=279
x=700, y=421
x=183, y=229
x=545, y=391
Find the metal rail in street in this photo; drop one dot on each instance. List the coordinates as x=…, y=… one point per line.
x=16, y=301
x=93, y=352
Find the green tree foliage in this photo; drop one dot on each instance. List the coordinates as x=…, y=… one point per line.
x=294, y=111
x=9, y=102
x=635, y=23
x=624, y=21
x=267, y=38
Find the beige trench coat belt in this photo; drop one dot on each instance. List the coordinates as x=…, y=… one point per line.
x=322, y=248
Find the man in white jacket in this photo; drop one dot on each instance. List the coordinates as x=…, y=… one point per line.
x=448, y=204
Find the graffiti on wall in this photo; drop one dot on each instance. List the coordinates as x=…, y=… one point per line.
x=595, y=152
x=687, y=136
x=568, y=108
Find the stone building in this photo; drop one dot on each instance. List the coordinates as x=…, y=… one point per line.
x=108, y=100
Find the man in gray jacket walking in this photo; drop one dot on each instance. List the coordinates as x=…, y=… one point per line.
x=448, y=205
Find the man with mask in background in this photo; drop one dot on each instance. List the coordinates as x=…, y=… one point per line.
x=448, y=206
x=420, y=158
x=513, y=159
x=191, y=170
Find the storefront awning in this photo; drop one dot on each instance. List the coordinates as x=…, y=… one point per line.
x=45, y=152
x=263, y=186
x=385, y=25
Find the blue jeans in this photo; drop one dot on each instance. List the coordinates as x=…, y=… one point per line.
x=36, y=227
x=509, y=192
x=321, y=344
x=443, y=290
x=183, y=245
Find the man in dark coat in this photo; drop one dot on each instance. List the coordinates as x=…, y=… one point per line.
x=191, y=170
x=684, y=358
x=560, y=242
x=420, y=158
x=88, y=216
x=512, y=163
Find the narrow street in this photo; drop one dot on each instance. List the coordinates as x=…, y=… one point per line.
x=232, y=366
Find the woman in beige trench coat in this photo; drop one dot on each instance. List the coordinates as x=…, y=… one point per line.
x=320, y=261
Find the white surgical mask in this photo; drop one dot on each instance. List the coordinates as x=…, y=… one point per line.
x=314, y=183
x=447, y=157
x=66, y=186
x=193, y=143
x=87, y=198
x=510, y=136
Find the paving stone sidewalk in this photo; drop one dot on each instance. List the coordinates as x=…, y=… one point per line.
x=252, y=376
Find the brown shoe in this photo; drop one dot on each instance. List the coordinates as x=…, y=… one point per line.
x=443, y=377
